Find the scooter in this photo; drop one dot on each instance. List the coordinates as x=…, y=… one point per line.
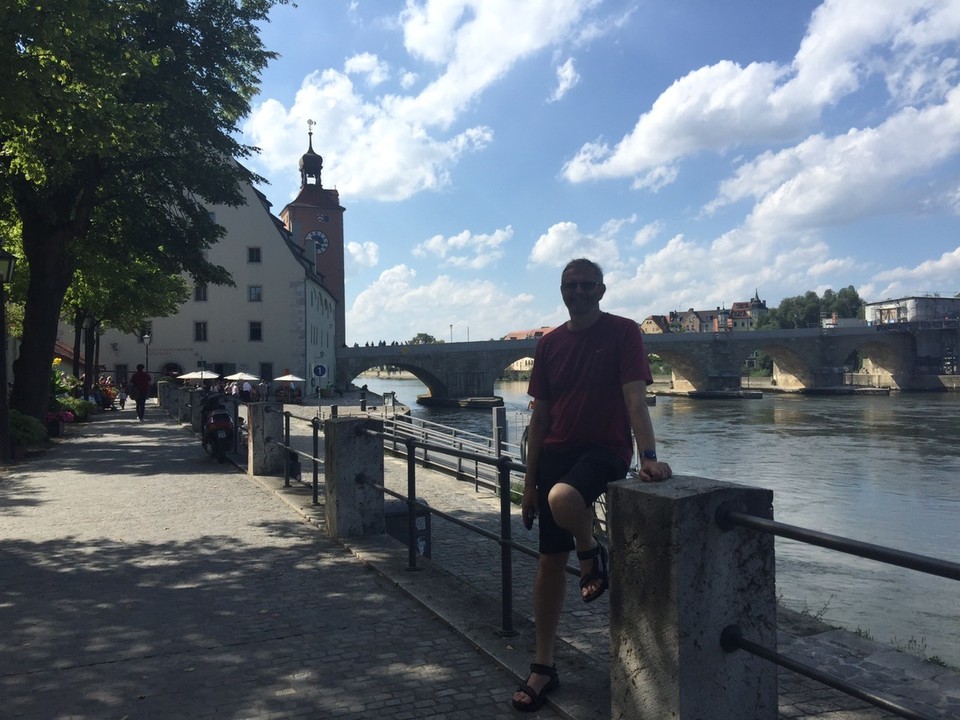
x=217, y=434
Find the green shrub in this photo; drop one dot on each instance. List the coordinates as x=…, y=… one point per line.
x=81, y=409
x=27, y=429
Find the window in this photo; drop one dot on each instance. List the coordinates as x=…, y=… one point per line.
x=200, y=332
x=255, y=293
x=253, y=255
x=256, y=331
x=200, y=292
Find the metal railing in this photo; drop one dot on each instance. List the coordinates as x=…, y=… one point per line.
x=426, y=443
x=731, y=638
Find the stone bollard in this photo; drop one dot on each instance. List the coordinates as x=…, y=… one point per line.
x=196, y=410
x=264, y=428
x=352, y=508
x=168, y=397
x=185, y=397
x=677, y=581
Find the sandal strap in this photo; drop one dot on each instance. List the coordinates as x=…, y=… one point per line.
x=591, y=553
x=543, y=669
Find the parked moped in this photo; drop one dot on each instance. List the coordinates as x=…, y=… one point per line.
x=218, y=430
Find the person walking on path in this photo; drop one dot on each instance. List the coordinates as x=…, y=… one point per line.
x=140, y=385
x=589, y=383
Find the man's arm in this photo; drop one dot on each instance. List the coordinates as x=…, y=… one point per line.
x=635, y=397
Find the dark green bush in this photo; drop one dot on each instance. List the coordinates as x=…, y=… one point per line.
x=26, y=429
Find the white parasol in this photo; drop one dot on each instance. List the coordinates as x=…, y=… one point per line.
x=241, y=376
x=199, y=375
x=288, y=378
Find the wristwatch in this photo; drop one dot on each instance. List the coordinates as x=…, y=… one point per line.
x=648, y=455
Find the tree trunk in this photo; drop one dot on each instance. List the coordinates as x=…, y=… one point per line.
x=77, y=329
x=50, y=275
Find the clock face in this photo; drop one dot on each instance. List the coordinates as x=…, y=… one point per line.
x=319, y=239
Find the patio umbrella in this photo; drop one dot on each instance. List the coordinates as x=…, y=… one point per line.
x=288, y=378
x=199, y=375
x=241, y=376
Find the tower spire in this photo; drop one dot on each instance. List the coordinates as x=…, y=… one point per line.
x=311, y=164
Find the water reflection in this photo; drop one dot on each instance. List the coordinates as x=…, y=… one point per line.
x=879, y=469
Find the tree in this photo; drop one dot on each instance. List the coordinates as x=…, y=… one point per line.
x=424, y=339
x=116, y=128
x=806, y=310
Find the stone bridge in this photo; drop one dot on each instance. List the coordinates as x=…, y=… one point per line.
x=897, y=357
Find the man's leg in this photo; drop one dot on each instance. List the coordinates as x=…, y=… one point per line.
x=574, y=516
x=548, y=592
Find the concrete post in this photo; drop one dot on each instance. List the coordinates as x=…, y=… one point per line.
x=352, y=508
x=196, y=410
x=168, y=397
x=264, y=428
x=184, y=401
x=677, y=581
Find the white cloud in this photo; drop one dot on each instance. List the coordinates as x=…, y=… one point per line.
x=368, y=64
x=466, y=250
x=392, y=307
x=648, y=233
x=363, y=254
x=724, y=105
x=394, y=146
x=567, y=78
x=928, y=276
x=564, y=241
x=828, y=181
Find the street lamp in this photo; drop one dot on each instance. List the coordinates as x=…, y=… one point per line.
x=451, y=333
x=7, y=263
x=146, y=352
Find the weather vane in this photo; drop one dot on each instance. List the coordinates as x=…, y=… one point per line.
x=310, y=124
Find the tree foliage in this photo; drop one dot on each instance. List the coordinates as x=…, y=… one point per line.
x=802, y=311
x=424, y=339
x=117, y=127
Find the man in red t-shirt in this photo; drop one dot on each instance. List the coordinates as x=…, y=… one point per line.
x=589, y=383
x=140, y=384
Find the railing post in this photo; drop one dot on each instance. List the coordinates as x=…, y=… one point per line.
x=506, y=551
x=315, y=423
x=677, y=581
x=352, y=507
x=286, y=449
x=411, y=497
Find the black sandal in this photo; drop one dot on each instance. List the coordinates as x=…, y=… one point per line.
x=537, y=699
x=599, y=571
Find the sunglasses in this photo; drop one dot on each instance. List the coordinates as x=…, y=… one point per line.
x=586, y=286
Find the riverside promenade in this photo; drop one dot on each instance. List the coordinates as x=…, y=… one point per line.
x=140, y=579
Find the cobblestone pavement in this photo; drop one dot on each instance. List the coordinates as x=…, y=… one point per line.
x=139, y=579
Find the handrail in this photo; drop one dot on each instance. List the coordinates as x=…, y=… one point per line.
x=922, y=563
x=731, y=638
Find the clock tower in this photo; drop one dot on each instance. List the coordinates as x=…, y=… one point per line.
x=315, y=221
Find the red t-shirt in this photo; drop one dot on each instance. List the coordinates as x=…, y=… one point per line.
x=582, y=374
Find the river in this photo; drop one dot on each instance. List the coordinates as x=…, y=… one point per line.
x=881, y=469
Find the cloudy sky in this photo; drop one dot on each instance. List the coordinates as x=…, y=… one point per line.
x=700, y=151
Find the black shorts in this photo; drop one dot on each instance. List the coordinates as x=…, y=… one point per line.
x=589, y=470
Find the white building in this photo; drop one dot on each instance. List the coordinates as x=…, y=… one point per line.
x=285, y=314
x=912, y=309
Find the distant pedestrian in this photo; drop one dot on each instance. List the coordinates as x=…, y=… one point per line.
x=140, y=390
